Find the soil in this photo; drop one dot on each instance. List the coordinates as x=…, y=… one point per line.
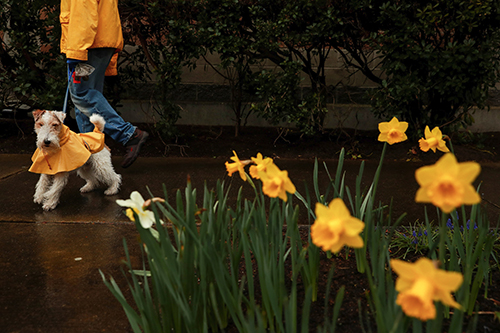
x=357, y=289
x=17, y=137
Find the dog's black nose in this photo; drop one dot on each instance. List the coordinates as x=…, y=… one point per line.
x=47, y=142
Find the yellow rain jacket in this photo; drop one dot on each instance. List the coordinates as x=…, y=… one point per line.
x=75, y=152
x=90, y=24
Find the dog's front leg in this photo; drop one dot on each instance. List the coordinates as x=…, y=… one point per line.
x=41, y=187
x=51, y=197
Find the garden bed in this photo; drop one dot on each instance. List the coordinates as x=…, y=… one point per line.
x=355, y=306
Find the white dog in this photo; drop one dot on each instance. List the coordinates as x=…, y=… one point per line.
x=60, y=150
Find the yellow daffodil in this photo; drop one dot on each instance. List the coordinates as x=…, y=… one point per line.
x=260, y=165
x=448, y=184
x=433, y=140
x=237, y=166
x=420, y=284
x=335, y=227
x=393, y=131
x=275, y=183
x=136, y=204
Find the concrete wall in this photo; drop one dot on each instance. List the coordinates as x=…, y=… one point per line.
x=335, y=72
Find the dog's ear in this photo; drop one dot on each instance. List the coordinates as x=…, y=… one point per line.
x=60, y=115
x=37, y=114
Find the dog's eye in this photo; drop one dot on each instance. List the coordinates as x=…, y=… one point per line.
x=39, y=124
x=55, y=125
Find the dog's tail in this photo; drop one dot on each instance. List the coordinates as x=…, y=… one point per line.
x=98, y=121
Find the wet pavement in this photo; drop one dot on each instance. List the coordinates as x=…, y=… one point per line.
x=50, y=261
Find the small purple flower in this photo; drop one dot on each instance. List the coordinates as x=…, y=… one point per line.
x=449, y=224
x=468, y=226
x=415, y=240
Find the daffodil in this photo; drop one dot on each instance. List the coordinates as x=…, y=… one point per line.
x=260, y=165
x=448, y=184
x=392, y=131
x=237, y=166
x=275, y=183
x=433, y=139
x=136, y=204
x=420, y=284
x=335, y=227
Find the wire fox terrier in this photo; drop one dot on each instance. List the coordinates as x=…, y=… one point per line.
x=60, y=150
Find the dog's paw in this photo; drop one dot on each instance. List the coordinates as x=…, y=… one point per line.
x=111, y=191
x=47, y=206
x=38, y=199
x=86, y=188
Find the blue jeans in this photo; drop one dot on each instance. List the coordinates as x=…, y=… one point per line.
x=88, y=99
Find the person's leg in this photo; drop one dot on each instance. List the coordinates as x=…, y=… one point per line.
x=82, y=117
x=88, y=99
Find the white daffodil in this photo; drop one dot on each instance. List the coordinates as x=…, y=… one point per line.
x=136, y=204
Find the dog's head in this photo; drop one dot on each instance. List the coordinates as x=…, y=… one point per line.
x=48, y=125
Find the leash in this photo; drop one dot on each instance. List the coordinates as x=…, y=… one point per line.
x=65, y=105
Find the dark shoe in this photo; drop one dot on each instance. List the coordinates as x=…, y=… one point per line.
x=133, y=146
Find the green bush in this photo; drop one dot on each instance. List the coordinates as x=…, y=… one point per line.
x=32, y=72
x=440, y=58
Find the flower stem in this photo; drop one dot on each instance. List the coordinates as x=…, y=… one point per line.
x=442, y=237
x=379, y=169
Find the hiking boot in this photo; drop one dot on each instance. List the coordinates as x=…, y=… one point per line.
x=133, y=146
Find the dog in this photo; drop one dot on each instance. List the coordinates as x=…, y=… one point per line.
x=60, y=151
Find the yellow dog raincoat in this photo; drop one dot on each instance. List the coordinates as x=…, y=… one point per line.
x=75, y=152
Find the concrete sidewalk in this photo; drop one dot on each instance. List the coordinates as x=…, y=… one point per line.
x=49, y=261
x=397, y=182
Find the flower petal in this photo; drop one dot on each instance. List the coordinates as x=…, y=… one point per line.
x=470, y=196
x=448, y=281
x=147, y=219
x=425, y=175
x=384, y=127
x=137, y=198
x=447, y=165
x=353, y=226
x=125, y=203
x=355, y=242
x=442, y=147
x=383, y=137
x=322, y=212
x=422, y=195
x=403, y=269
x=427, y=132
x=403, y=126
x=339, y=209
x=468, y=171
